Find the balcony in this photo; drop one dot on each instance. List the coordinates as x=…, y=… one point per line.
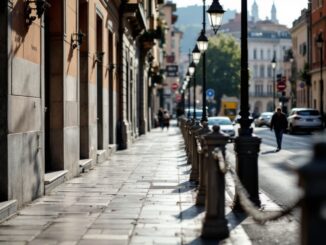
x=135, y=14
x=261, y=94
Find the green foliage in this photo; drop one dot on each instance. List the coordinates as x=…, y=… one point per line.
x=222, y=67
x=304, y=74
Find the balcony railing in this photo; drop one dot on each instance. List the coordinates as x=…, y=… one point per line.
x=261, y=94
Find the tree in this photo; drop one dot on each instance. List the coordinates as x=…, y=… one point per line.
x=222, y=67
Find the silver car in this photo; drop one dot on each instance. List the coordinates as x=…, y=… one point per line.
x=264, y=119
x=304, y=119
x=225, y=124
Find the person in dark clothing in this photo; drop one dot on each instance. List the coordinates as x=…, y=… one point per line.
x=160, y=117
x=279, y=123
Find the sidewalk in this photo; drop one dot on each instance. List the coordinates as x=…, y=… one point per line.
x=139, y=196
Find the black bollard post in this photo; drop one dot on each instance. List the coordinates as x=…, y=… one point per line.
x=312, y=178
x=200, y=198
x=194, y=175
x=215, y=223
x=189, y=124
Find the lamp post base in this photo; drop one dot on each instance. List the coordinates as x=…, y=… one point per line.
x=247, y=149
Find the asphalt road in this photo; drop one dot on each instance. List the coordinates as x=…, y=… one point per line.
x=278, y=177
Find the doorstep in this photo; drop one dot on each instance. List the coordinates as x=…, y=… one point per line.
x=112, y=149
x=100, y=156
x=85, y=165
x=53, y=179
x=7, y=209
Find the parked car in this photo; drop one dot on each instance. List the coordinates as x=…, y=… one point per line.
x=225, y=124
x=264, y=119
x=199, y=113
x=304, y=119
x=238, y=117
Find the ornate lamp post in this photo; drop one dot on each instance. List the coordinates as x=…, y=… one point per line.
x=188, y=81
x=202, y=43
x=195, y=60
x=216, y=13
x=246, y=145
x=273, y=62
x=320, y=43
x=191, y=70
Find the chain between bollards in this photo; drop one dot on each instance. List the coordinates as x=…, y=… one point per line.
x=258, y=215
x=223, y=164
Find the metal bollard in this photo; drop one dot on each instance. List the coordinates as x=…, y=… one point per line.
x=215, y=223
x=189, y=124
x=247, y=149
x=194, y=176
x=312, y=178
x=200, y=198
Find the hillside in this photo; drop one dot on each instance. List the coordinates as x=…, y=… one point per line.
x=190, y=21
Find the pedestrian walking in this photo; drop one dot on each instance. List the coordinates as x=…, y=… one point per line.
x=279, y=124
x=160, y=117
x=166, y=119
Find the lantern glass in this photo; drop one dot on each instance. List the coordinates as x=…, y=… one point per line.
x=202, y=42
x=192, y=68
x=215, y=13
x=196, y=54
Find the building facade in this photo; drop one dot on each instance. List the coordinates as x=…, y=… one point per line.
x=75, y=86
x=266, y=39
x=317, y=67
x=301, y=79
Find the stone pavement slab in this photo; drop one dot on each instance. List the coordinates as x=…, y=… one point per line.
x=139, y=196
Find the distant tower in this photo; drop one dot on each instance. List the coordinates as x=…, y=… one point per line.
x=254, y=12
x=273, y=17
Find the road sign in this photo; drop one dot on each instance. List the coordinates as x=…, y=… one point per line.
x=174, y=86
x=210, y=92
x=281, y=86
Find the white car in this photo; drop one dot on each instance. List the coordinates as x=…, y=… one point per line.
x=264, y=119
x=225, y=124
x=305, y=119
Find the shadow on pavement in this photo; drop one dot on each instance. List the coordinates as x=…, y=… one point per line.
x=190, y=212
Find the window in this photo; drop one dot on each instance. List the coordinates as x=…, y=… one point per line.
x=269, y=71
x=262, y=71
x=261, y=54
x=269, y=55
x=255, y=54
x=255, y=71
x=270, y=89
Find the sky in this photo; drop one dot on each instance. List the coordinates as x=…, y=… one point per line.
x=287, y=10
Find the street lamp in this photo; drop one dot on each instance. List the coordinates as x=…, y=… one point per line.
x=195, y=60
x=196, y=54
x=188, y=84
x=273, y=62
x=246, y=145
x=216, y=13
x=320, y=43
x=202, y=43
x=191, y=70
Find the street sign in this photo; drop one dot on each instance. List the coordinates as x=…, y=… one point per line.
x=281, y=86
x=210, y=92
x=171, y=71
x=174, y=86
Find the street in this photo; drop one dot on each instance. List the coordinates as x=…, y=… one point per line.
x=277, y=170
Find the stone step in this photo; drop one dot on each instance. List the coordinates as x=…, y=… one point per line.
x=53, y=179
x=101, y=156
x=85, y=165
x=112, y=149
x=7, y=209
